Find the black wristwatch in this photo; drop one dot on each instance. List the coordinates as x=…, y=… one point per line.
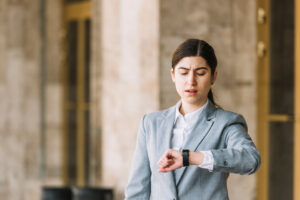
x=185, y=157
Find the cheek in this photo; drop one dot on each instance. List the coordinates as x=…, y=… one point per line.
x=179, y=84
x=205, y=83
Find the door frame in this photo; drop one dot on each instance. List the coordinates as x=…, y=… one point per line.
x=263, y=63
x=297, y=103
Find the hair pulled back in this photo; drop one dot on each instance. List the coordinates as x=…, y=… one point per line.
x=196, y=47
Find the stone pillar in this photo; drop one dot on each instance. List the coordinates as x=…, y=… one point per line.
x=31, y=106
x=96, y=91
x=129, y=77
x=12, y=98
x=20, y=95
x=54, y=93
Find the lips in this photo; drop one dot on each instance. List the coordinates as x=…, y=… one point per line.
x=191, y=91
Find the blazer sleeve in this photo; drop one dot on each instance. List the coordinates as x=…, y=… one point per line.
x=240, y=155
x=139, y=185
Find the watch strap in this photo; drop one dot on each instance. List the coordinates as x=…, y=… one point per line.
x=185, y=157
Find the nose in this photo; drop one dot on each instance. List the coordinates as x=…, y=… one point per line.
x=192, y=78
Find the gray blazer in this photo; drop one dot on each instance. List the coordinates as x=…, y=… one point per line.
x=222, y=132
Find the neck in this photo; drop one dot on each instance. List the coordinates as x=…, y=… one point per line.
x=186, y=108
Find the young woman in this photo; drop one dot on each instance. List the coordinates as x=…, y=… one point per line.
x=187, y=151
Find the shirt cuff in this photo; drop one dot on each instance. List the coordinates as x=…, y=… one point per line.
x=208, y=161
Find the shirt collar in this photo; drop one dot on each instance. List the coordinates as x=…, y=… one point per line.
x=193, y=116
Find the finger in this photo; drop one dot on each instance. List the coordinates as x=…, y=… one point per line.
x=166, y=162
x=170, y=162
x=162, y=170
x=166, y=159
x=168, y=154
x=166, y=169
x=163, y=163
x=170, y=167
x=162, y=160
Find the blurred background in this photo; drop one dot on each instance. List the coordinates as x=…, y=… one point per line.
x=76, y=76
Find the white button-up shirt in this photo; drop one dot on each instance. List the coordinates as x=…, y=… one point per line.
x=182, y=128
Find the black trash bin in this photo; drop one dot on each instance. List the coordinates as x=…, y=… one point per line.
x=57, y=193
x=90, y=193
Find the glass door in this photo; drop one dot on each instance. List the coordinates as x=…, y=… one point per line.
x=281, y=100
x=77, y=91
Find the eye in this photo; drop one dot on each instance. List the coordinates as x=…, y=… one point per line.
x=200, y=74
x=183, y=72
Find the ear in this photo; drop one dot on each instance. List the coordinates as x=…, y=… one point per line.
x=214, y=77
x=172, y=74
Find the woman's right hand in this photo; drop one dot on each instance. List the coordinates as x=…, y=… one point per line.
x=171, y=160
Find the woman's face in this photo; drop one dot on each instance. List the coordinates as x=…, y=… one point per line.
x=192, y=77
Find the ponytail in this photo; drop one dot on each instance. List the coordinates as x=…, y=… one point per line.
x=211, y=98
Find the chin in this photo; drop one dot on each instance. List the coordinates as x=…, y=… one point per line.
x=193, y=101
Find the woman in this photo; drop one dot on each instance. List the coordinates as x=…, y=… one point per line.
x=187, y=151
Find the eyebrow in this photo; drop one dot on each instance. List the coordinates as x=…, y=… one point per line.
x=198, y=68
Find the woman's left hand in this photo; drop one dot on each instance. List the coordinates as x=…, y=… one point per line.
x=171, y=160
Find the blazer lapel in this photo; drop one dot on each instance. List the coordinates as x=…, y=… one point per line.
x=198, y=133
x=164, y=143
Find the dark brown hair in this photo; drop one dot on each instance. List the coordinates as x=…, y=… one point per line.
x=196, y=47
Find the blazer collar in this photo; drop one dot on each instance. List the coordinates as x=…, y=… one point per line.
x=198, y=133
x=200, y=130
x=189, y=117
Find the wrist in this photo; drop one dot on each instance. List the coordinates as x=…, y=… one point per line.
x=196, y=158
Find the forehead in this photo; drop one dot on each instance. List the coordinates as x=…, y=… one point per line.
x=192, y=62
